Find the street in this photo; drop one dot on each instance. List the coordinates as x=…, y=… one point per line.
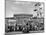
x=20, y=32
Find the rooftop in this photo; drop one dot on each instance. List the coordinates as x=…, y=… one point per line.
x=23, y=15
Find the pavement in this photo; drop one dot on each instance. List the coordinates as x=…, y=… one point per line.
x=20, y=32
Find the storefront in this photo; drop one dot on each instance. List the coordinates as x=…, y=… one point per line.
x=20, y=21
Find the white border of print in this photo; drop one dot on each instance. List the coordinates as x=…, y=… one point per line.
x=2, y=17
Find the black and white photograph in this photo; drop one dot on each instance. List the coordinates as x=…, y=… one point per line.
x=24, y=17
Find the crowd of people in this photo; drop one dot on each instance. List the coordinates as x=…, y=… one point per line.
x=30, y=26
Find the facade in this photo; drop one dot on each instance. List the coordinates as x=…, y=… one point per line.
x=23, y=19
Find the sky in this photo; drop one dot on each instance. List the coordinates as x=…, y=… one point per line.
x=20, y=7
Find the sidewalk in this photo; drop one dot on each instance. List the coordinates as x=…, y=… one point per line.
x=20, y=32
